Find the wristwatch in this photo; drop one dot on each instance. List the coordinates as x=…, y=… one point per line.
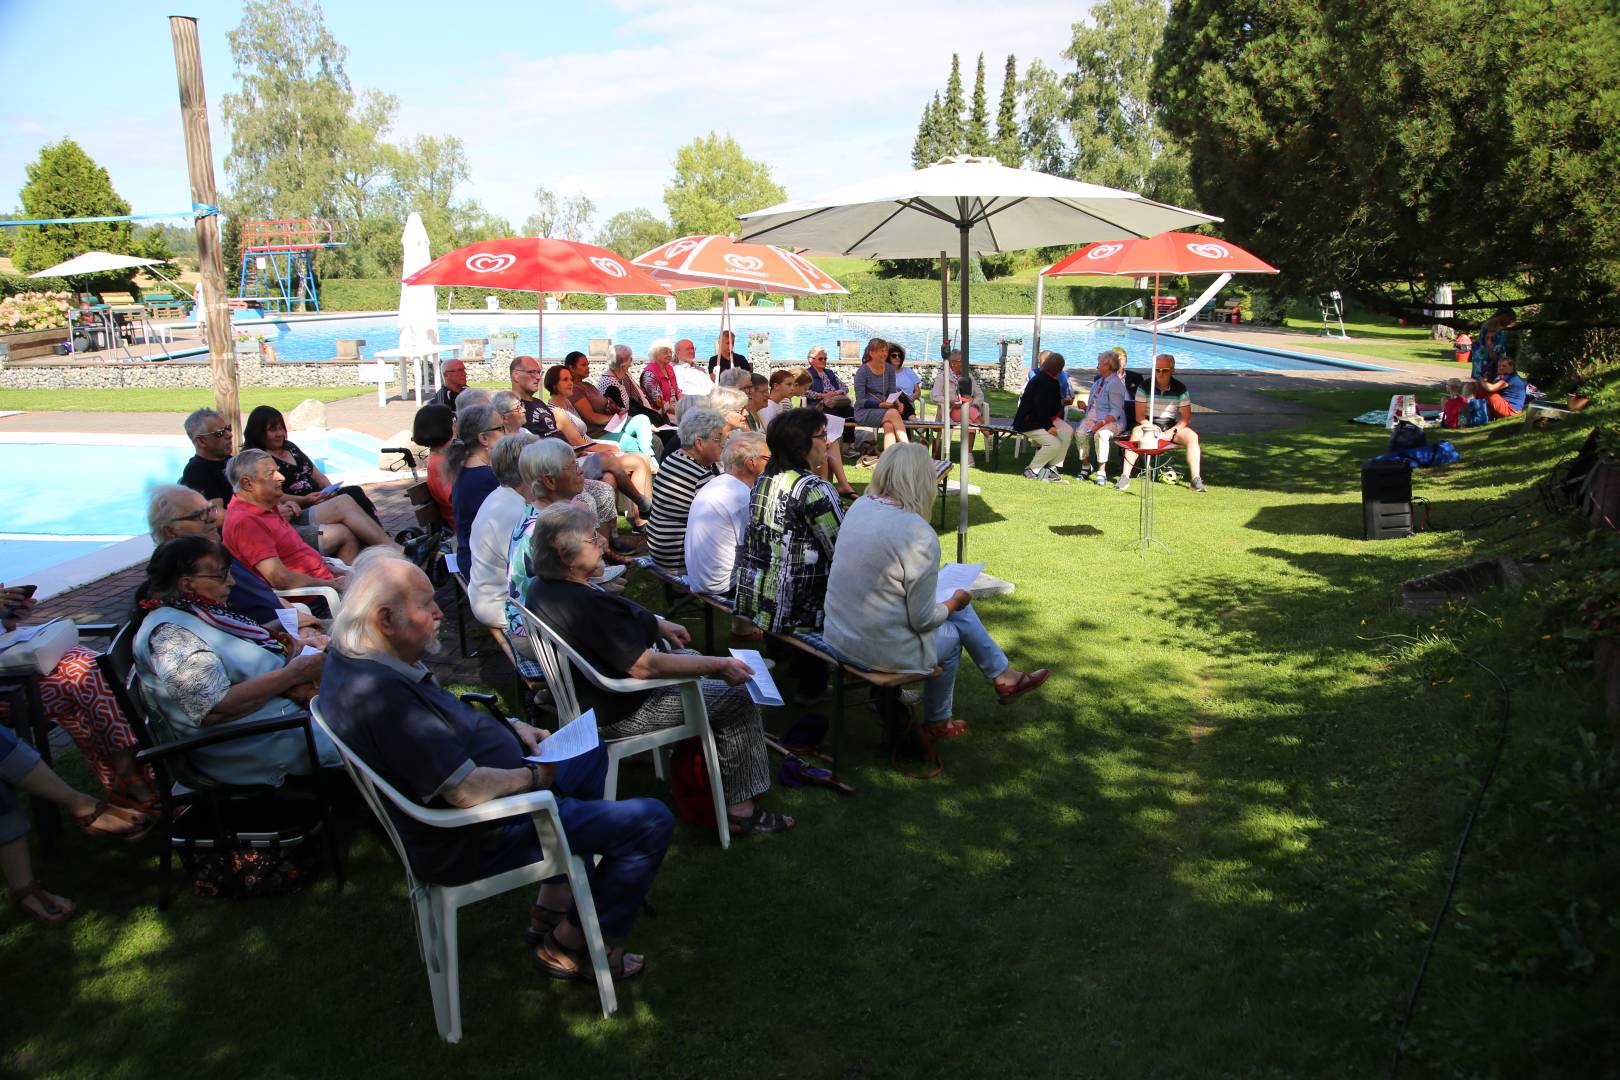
x=534, y=776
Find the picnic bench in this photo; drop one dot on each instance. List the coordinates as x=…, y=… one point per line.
x=165, y=305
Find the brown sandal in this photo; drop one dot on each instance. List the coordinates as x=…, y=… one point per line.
x=574, y=965
x=542, y=921
x=52, y=914
x=134, y=824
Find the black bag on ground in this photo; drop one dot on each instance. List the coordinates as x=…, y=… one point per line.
x=1407, y=436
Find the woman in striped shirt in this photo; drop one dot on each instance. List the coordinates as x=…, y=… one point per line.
x=683, y=473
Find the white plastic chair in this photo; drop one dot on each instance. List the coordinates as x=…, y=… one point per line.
x=558, y=659
x=325, y=592
x=434, y=907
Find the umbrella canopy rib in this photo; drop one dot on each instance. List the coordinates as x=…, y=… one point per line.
x=894, y=214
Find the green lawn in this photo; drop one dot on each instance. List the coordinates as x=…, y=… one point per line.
x=159, y=399
x=1210, y=846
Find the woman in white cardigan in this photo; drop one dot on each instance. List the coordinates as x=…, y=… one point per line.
x=880, y=609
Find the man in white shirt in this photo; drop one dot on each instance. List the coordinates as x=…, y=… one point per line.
x=719, y=517
x=491, y=537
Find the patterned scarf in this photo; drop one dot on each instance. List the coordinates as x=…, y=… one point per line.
x=222, y=618
x=668, y=388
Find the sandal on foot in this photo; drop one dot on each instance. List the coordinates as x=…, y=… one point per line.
x=574, y=965
x=946, y=729
x=50, y=911
x=542, y=921
x=1028, y=681
x=108, y=820
x=760, y=821
x=755, y=634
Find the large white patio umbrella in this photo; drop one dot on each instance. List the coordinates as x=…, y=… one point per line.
x=418, y=304
x=971, y=205
x=100, y=262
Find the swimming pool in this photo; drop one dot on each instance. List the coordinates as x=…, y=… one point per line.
x=76, y=503
x=792, y=335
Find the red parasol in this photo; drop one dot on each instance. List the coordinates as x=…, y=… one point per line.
x=538, y=264
x=698, y=262
x=1167, y=253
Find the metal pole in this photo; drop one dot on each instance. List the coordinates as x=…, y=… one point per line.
x=967, y=369
x=944, y=306
x=1153, y=357
x=1040, y=304
x=200, y=166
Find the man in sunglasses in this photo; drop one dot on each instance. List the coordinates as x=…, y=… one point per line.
x=1171, y=419
x=210, y=435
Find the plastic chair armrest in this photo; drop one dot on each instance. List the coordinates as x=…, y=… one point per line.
x=527, y=802
x=226, y=732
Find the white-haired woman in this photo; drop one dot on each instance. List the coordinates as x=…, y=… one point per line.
x=658, y=383
x=881, y=610
x=549, y=474
x=624, y=390
x=510, y=409
x=1105, y=417
x=491, y=536
x=685, y=471
x=621, y=639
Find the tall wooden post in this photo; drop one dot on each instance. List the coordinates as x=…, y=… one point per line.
x=200, y=163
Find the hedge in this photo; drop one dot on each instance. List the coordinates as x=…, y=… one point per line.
x=867, y=292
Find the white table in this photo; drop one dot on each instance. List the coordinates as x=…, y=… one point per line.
x=433, y=355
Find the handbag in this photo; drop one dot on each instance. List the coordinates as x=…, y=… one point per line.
x=37, y=649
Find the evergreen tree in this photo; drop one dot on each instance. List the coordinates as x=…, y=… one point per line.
x=978, y=127
x=922, y=147
x=1008, y=149
x=66, y=182
x=954, y=138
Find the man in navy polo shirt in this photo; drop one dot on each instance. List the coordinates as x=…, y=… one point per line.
x=385, y=705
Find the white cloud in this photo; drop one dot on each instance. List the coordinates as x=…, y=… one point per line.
x=816, y=95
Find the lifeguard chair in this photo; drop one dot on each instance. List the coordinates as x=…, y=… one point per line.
x=278, y=262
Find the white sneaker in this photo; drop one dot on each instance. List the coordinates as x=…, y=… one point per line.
x=1052, y=476
x=1124, y=484
x=1101, y=479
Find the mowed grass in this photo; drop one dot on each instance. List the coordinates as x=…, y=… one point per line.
x=162, y=399
x=1210, y=846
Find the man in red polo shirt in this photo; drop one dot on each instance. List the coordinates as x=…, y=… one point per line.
x=256, y=533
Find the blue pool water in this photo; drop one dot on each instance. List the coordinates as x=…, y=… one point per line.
x=70, y=496
x=791, y=336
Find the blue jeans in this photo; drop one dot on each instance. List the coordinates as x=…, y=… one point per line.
x=17, y=760
x=631, y=836
x=962, y=630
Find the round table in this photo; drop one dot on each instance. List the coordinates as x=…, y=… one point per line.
x=1150, y=455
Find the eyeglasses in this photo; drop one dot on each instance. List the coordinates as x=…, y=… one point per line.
x=216, y=433
x=528, y=371
x=488, y=430
x=197, y=515
x=599, y=538
x=219, y=576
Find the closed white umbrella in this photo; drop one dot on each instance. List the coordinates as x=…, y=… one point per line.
x=418, y=309
x=418, y=304
x=966, y=205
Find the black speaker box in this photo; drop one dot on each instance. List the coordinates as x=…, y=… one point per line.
x=1385, y=520
x=1386, y=481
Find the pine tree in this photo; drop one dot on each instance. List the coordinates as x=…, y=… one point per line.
x=923, y=147
x=978, y=127
x=66, y=182
x=954, y=138
x=1008, y=149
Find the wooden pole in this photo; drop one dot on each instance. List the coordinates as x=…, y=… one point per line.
x=200, y=164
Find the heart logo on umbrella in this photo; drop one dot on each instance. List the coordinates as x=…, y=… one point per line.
x=608, y=266
x=744, y=262
x=679, y=248
x=1209, y=251
x=1103, y=251
x=490, y=264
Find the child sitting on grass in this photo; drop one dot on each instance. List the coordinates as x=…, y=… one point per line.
x=1455, y=404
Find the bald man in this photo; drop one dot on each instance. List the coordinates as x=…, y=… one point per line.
x=453, y=382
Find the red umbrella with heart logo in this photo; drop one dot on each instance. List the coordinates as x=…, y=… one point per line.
x=1172, y=253
x=538, y=264
x=704, y=261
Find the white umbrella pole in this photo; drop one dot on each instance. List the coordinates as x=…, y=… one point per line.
x=1153, y=357
x=1040, y=303
x=967, y=373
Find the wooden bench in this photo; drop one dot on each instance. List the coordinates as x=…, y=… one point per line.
x=162, y=305
x=885, y=684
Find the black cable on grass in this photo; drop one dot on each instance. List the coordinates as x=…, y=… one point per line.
x=1462, y=846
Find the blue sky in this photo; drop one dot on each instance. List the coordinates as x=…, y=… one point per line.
x=578, y=97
